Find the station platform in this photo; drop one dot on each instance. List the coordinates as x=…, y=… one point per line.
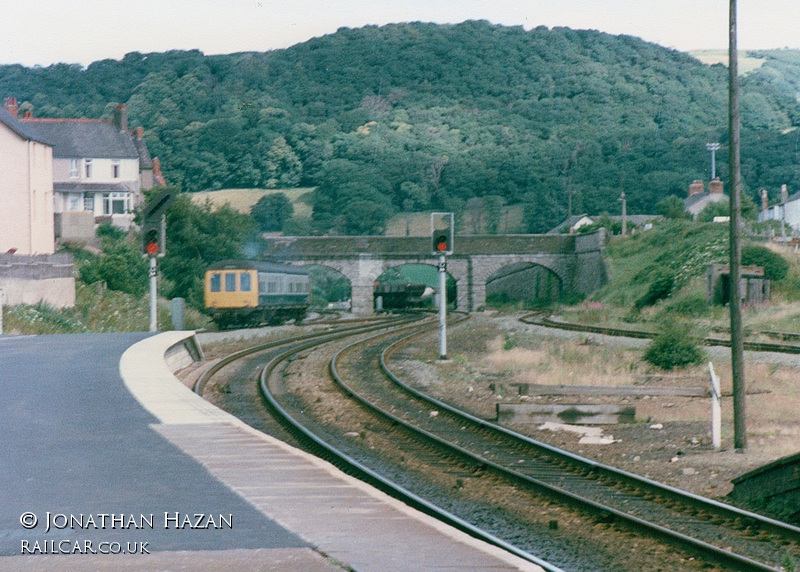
x=107, y=446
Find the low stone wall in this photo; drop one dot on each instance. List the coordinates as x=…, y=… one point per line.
x=46, y=278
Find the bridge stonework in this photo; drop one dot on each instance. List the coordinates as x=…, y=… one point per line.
x=577, y=260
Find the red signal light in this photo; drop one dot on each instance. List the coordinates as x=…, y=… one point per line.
x=151, y=242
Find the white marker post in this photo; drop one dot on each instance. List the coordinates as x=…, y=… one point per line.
x=153, y=273
x=442, y=245
x=716, y=412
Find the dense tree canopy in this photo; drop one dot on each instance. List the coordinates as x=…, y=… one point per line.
x=420, y=116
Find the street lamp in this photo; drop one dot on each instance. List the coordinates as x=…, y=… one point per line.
x=713, y=147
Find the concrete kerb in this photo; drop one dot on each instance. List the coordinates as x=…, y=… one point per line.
x=145, y=371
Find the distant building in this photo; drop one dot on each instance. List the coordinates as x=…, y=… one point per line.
x=699, y=199
x=787, y=211
x=99, y=171
x=573, y=223
x=26, y=188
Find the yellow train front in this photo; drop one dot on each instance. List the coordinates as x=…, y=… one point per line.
x=251, y=292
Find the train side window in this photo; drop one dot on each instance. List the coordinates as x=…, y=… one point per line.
x=272, y=287
x=216, y=282
x=244, y=282
x=230, y=282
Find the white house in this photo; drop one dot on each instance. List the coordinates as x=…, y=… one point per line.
x=99, y=171
x=26, y=189
x=788, y=210
x=29, y=271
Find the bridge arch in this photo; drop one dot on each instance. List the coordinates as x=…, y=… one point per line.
x=575, y=259
x=525, y=282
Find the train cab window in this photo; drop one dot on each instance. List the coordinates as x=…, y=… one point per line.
x=230, y=282
x=244, y=282
x=216, y=282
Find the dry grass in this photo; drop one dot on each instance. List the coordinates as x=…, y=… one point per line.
x=559, y=361
x=711, y=57
x=243, y=200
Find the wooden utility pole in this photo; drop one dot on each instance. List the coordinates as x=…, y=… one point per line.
x=737, y=346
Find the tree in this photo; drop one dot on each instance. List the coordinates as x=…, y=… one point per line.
x=283, y=168
x=272, y=212
x=672, y=207
x=197, y=236
x=774, y=265
x=364, y=218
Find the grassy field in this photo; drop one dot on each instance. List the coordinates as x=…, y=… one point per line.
x=711, y=57
x=243, y=200
x=405, y=224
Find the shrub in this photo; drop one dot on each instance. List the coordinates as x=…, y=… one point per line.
x=690, y=305
x=660, y=288
x=775, y=266
x=675, y=346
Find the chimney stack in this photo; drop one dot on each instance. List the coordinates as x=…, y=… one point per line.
x=715, y=186
x=764, y=200
x=139, y=133
x=12, y=107
x=696, y=188
x=121, y=117
x=158, y=177
x=784, y=194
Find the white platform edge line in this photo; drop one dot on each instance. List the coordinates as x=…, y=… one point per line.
x=146, y=375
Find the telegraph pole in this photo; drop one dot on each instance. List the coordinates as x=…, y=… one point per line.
x=737, y=343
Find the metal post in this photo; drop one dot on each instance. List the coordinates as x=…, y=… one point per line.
x=716, y=413
x=713, y=147
x=153, y=294
x=442, y=307
x=737, y=336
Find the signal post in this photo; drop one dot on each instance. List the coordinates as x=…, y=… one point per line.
x=442, y=246
x=154, y=230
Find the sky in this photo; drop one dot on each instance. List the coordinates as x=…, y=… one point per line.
x=43, y=32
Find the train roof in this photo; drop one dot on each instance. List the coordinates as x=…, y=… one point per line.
x=259, y=265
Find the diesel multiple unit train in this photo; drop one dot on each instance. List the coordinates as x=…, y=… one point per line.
x=249, y=292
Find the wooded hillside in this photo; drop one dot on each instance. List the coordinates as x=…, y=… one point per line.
x=416, y=116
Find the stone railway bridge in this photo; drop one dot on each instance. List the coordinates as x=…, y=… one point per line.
x=576, y=260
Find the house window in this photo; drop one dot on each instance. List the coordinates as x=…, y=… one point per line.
x=87, y=165
x=74, y=169
x=88, y=203
x=74, y=202
x=115, y=203
x=115, y=169
x=216, y=282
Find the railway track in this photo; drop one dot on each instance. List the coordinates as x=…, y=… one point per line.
x=537, y=319
x=475, y=448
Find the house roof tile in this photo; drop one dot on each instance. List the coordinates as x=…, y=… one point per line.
x=79, y=138
x=20, y=128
